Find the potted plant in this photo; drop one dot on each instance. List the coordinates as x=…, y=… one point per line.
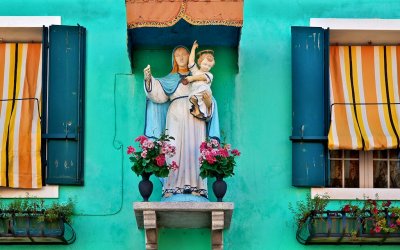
x=151, y=159
x=217, y=160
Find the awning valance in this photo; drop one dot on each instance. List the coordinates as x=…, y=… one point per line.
x=166, y=13
x=365, y=103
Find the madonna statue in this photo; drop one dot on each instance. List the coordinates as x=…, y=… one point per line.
x=168, y=108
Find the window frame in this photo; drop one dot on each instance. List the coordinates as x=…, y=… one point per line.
x=391, y=30
x=48, y=191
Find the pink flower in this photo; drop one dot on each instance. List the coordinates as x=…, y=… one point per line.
x=141, y=139
x=144, y=154
x=214, y=142
x=130, y=150
x=174, y=166
x=150, y=144
x=145, y=144
x=377, y=229
x=235, y=152
x=160, y=160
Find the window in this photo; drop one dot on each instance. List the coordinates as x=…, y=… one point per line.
x=342, y=174
x=364, y=169
x=62, y=98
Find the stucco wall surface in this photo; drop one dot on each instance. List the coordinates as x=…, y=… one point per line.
x=255, y=113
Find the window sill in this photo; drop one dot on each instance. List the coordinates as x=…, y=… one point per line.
x=357, y=193
x=45, y=192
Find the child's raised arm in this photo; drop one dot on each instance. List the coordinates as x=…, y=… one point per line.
x=193, y=53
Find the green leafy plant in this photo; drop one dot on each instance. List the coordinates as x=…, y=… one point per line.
x=38, y=208
x=217, y=159
x=57, y=211
x=152, y=159
x=303, y=209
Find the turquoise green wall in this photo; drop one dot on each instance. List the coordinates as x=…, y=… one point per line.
x=255, y=108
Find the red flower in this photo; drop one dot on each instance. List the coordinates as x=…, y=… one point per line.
x=223, y=152
x=203, y=146
x=347, y=208
x=130, y=150
x=375, y=211
x=372, y=202
x=141, y=139
x=387, y=204
x=398, y=222
x=377, y=229
x=160, y=160
x=236, y=152
x=210, y=159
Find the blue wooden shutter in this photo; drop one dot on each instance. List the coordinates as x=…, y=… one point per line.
x=65, y=105
x=310, y=106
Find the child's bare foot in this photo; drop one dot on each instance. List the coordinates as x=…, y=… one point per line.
x=195, y=107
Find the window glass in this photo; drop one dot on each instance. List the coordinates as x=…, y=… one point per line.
x=380, y=154
x=336, y=174
x=352, y=174
x=395, y=174
x=380, y=174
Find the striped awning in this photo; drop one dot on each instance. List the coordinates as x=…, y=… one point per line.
x=20, y=132
x=166, y=13
x=364, y=95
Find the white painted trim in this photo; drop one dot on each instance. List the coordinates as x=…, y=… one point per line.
x=29, y=21
x=44, y=192
x=357, y=193
x=356, y=23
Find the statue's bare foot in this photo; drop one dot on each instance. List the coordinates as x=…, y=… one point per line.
x=195, y=107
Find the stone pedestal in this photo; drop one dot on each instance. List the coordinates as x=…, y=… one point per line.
x=153, y=215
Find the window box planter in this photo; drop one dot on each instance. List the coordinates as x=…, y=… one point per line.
x=33, y=228
x=338, y=227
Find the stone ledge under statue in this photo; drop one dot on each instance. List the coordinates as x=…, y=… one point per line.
x=153, y=215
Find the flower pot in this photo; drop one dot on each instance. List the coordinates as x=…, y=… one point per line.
x=219, y=188
x=54, y=228
x=145, y=186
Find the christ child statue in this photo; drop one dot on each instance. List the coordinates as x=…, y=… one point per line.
x=200, y=79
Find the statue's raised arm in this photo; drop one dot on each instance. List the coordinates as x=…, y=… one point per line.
x=147, y=77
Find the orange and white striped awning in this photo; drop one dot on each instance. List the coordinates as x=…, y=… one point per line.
x=364, y=95
x=20, y=132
